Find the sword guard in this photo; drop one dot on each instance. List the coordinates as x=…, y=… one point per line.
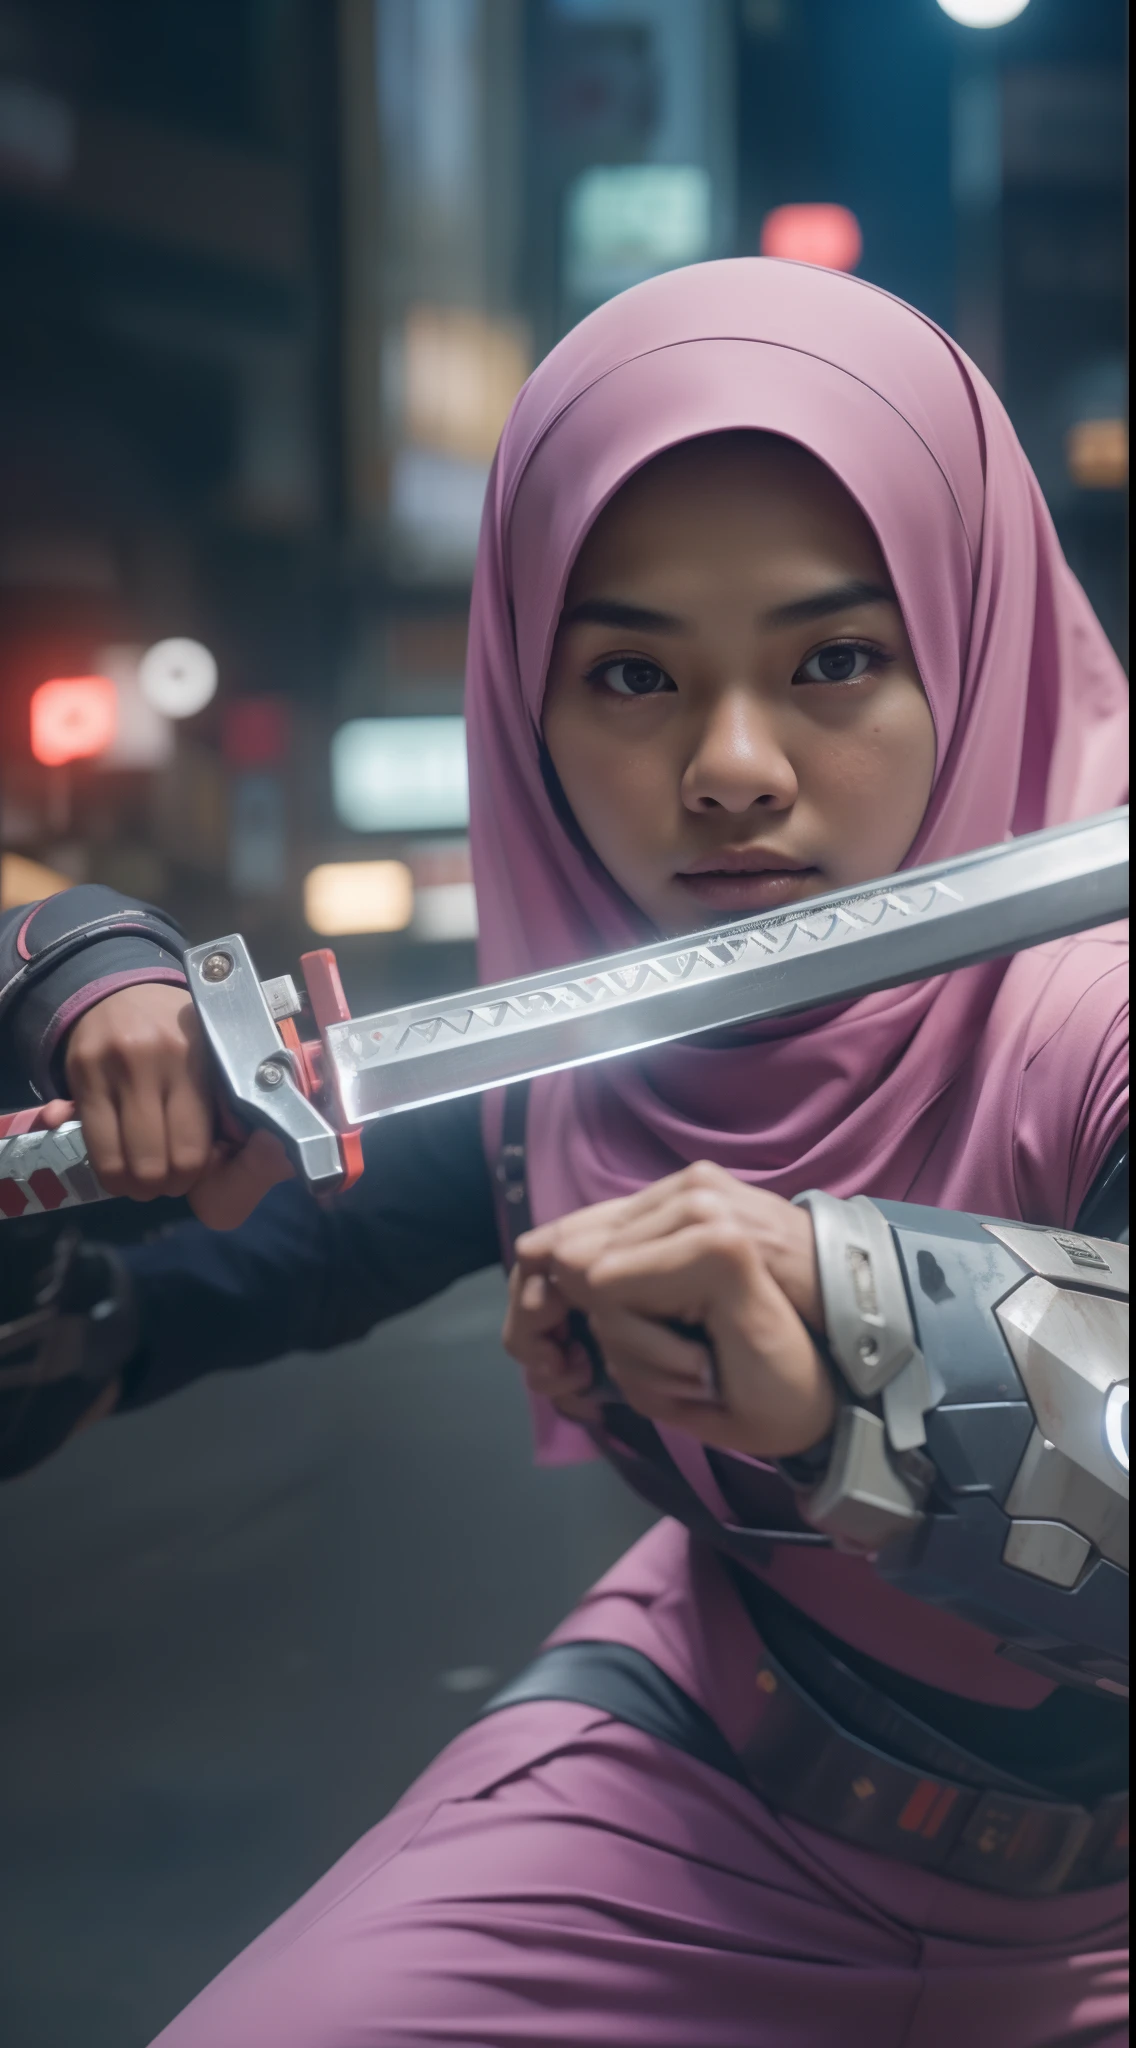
x=315, y=1072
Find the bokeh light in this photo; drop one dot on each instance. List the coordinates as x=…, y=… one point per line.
x=178, y=677
x=347, y=896
x=72, y=718
x=1096, y=452
x=826, y=235
x=400, y=774
x=983, y=13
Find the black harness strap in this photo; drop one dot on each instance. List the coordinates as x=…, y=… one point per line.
x=624, y=1683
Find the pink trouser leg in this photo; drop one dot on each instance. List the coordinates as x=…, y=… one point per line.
x=556, y=1878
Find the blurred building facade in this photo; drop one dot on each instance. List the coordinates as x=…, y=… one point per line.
x=275, y=270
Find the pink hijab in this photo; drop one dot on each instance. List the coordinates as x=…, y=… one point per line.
x=997, y=1089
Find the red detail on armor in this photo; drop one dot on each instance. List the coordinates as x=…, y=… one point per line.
x=938, y=1813
x=927, y=1809
x=47, y=1188
x=13, y=1200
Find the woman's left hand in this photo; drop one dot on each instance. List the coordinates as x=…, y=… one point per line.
x=699, y=1249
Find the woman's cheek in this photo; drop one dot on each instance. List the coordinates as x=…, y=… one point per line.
x=869, y=783
x=627, y=796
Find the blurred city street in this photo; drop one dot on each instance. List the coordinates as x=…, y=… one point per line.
x=236, y=1626
x=273, y=274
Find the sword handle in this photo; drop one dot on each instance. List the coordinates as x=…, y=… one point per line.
x=42, y=1171
x=269, y=1076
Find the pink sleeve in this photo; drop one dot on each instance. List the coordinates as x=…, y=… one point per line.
x=1073, y=1097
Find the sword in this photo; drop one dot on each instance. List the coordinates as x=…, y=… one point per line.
x=317, y=1095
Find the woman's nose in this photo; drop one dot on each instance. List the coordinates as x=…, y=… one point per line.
x=738, y=761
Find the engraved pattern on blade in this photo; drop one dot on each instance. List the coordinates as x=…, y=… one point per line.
x=837, y=946
x=711, y=957
x=996, y=900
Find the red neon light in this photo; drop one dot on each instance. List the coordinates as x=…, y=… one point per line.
x=828, y=236
x=72, y=718
x=255, y=732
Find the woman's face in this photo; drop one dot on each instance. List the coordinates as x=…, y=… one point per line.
x=733, y=707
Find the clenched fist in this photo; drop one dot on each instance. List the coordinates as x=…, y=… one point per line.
x=699, y=1249
x=138, y=1073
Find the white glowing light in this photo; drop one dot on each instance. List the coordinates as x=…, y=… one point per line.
x=346, y=896
x=400, y=774
x=445, y=910
x=629, y=221
x=143, y=735
x=178, y=677
x=983, y=13
x=1116, y=1423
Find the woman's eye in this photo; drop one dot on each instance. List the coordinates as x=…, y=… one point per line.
x=844, y=662
x=631, y=678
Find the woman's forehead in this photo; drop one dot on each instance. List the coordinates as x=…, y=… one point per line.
x=928, y=536
x=739, y=495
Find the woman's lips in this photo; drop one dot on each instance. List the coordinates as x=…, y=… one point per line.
x=745, y=890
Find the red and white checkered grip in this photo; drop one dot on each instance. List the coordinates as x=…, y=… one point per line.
x=42, y=1171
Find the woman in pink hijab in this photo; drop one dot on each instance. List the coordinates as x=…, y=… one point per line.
x=863, y=650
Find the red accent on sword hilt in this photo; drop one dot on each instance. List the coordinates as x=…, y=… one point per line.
x=314, y=1069
x=21, y=1121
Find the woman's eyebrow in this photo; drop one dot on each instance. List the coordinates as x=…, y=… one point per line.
x=841, y=598
x=630, y=618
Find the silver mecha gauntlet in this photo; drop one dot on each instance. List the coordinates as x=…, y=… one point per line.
x=876, y=1482
x=981, y=1450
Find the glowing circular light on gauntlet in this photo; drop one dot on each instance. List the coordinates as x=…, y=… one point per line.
x=1116, y=1423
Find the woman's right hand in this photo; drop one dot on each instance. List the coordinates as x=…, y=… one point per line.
x=538, y=1335
x=138, y=1072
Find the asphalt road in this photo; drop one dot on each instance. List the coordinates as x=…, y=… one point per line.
x=234, y=1627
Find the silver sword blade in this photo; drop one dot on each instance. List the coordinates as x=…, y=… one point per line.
x=829, y=949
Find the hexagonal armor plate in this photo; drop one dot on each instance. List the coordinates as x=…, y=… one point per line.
x=1071, y=1349
x=1049, y=1486
x=1047, y=1550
